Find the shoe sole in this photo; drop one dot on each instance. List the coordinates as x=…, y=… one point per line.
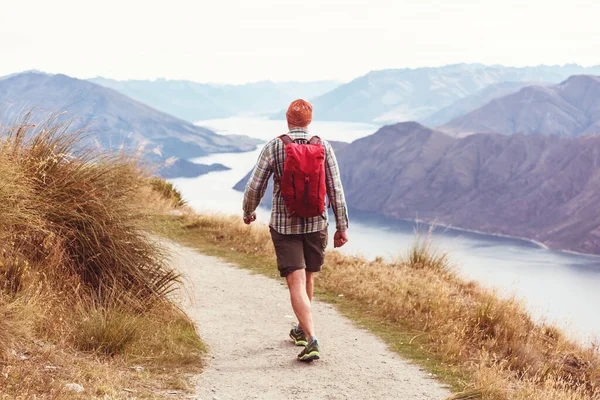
x=309, y=357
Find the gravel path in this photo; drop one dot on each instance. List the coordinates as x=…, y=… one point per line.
x=245, y=319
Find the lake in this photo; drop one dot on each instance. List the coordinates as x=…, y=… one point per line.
x=560, y=287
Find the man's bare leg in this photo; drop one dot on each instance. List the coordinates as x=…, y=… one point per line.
x=310, y=285
x=297, y=284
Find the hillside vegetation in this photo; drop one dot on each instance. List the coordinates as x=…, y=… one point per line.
x=486, y=347
x=84, y=292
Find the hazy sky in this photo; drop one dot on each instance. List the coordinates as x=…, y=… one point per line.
x=247, y=40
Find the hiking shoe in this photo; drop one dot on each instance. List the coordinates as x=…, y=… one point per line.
x=298, y=336
x=310, y=352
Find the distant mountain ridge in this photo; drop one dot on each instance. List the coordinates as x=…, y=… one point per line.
x=571, y=108
x=194, y=101
x=538, y=187
x=397, y=95
x=113, y=118
x=472, y=102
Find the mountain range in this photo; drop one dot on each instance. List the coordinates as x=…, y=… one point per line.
x=194, y=101
x=472, y=102
x=510, y=156
x=397, y=95
x=571, y=108
x=114, y=119
x=432, y=96
x=539, y=187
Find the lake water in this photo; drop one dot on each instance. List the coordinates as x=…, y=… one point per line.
x=560, y=287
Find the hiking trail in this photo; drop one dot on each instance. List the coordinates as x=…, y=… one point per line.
x=245, y=319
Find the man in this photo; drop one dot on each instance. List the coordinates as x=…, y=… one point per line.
x=299, y=242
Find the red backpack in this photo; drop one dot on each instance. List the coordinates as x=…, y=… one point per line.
x=303, y=182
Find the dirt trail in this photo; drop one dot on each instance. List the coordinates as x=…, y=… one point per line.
x=245, y=320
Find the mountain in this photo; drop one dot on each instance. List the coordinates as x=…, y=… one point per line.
x=114, y=119
x=186, y=169
x=569, y=109
x=472, y=102
x=539, y=187
x=396, y=95
x=544, y=188
x=18, y=73
x=193, y=101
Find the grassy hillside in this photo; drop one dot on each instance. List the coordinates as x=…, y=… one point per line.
x=485, y=347
x=84, y=292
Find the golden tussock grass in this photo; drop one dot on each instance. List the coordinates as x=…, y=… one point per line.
x=488, y=347
x=78, y=274
x=167, y=191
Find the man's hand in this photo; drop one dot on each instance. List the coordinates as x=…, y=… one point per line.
x=339, y=239
x=250, y=219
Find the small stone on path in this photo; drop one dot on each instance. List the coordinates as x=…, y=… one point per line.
x=74, y=387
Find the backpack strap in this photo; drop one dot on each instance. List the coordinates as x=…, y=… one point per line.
x=314, y=140
x=286, y=139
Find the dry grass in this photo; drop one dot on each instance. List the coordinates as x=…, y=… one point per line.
x=419, y=303
x=42, y=372
x=167, y=191
x=77, y=271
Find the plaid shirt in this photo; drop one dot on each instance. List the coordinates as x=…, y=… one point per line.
x=270, y=162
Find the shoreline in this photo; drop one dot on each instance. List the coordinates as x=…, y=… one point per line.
x=541, y=245
x=483, y=233
x=414, y=221
x=226, y=131
x=502, y=235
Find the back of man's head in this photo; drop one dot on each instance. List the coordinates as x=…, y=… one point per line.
x=299, y=113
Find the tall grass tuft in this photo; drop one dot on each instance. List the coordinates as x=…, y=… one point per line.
x=77, y=269
x=73, y=212
x=168, y=191
x=424, y=254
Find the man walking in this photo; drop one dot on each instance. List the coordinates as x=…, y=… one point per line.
x=299, y=218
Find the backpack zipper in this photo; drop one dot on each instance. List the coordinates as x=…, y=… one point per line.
x=319, y=194
x=306, y=180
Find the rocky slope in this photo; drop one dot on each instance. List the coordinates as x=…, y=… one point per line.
x=540, y=187
x=569, y=109
x=113, y=119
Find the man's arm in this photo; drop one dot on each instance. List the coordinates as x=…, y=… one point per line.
x=335, y=191
x=256, y=186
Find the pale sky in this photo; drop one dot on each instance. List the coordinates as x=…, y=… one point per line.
x=239, y=41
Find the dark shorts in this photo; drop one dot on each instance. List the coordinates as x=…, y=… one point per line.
x=301, y=251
